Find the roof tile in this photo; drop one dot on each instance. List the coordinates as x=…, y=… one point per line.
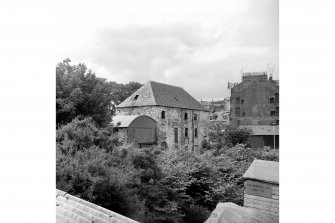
x=154, y=93
x=73, y=209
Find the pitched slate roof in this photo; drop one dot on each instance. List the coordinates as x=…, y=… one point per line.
x=154, y=93
x=266, y=171
x=75, y=210
x=263, y=129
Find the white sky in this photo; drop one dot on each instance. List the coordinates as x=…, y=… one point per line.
x=198, y=45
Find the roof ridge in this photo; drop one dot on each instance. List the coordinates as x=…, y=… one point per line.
x=165, y=84
x=152, y=92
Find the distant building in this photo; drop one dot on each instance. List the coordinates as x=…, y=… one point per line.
x=264, y=135
x=208, y=105
x=219, y=110
x=181, y=121
x=215, y=106
x=255, y=101
x=219, y=117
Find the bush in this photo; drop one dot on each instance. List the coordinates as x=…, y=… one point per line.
x=222, y=136
x=151, y=184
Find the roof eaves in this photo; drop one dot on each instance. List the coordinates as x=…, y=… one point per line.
x=133, y=106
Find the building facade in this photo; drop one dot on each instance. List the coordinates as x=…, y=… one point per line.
x=255, y=101
x=261, y=192
x=181, y=121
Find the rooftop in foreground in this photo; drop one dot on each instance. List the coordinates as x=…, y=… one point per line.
x=72, y=209
x=262, y=170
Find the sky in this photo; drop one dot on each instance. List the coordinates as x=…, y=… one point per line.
x=197, y=45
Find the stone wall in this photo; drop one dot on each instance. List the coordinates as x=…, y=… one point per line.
x=174, y=118
x=252, y=100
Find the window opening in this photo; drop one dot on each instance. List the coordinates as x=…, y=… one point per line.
x=238, y=112
x=237, y=101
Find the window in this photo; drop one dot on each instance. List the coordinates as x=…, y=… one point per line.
x=237, y=112
x=136, y=96
x=242, y=102
x=277, y=111
x=277, y=122
x=175, y=135
x=237, y=101
x=185, y=116
x=272, y=100
x=186, y=132
x=273, y=113
x=277, y=98
x=196, y=133
x=163, y=114
x=195, y=116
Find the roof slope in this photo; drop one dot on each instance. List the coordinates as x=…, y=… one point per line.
x=123, y=120
x=154, y=93
x=266, y=171
x=263, y=129
x=73, y=210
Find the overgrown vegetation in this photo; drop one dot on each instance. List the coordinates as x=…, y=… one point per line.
x=148, y=185
x=79, y=92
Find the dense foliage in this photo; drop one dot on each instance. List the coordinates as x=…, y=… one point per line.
x=79, y=92
x=222, y=135
x=149, y=185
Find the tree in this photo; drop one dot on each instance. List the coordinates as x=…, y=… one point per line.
x=80, y=92
x=234, y=134
x=122, y=179
x=122, y=91
x=222, y=135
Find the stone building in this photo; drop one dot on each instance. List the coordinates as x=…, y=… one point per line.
x=255, y=101
x=181, y=121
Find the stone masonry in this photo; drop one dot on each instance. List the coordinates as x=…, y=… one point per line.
x=174, y=119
